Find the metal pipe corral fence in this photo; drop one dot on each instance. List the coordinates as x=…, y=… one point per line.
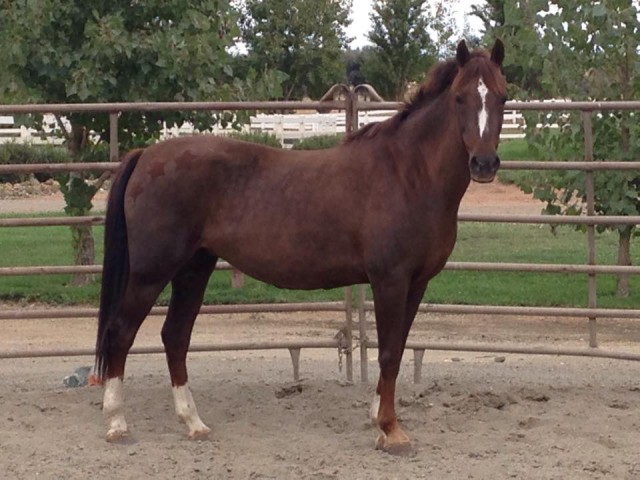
x=345, y=343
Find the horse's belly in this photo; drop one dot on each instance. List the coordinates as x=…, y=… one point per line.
x=290, y=257
x=295, y=273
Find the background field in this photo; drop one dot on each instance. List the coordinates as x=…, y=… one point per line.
x=476, y=242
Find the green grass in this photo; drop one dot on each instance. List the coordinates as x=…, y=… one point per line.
x=529, y=244
x=513, y=150
x=476, y=242
x=516, y=149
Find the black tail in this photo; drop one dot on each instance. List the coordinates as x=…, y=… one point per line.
x=115, y=269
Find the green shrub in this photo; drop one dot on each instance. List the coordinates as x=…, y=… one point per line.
x=257, y=137
x=318, y=142
x=515, y=150
x=27, y=154
x=95, y=153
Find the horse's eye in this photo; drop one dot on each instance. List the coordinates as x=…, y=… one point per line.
x=459, y=99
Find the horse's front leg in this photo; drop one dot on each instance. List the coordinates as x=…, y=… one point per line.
x=391, y=310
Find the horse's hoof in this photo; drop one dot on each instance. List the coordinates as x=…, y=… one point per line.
x=200, y=434
x=116, y=435
x=401, y=448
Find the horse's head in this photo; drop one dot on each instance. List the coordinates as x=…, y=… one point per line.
x=479, y=93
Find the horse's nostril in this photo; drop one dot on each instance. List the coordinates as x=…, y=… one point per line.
x=484, y=162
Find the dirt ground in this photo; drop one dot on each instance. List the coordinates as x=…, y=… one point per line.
x=487, y=198
x=474, y=416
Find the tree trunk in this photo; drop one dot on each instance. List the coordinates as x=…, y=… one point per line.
x=79, y=205
x=624, y=259
x=84, y=252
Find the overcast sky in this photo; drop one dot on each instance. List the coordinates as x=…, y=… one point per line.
x=361, y=24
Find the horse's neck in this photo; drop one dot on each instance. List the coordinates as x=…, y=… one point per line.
x=441, y=157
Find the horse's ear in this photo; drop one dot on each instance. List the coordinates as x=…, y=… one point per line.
x=497, y=52
x=462, y=53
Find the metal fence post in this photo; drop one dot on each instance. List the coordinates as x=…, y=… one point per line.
x=349, y=123
x=352, y=125
x=295, y=360
x=364, y=340
x=114, y=154
x=591, y=229
x=346, y=346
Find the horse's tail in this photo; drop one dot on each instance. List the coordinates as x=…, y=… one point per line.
x=115, y=269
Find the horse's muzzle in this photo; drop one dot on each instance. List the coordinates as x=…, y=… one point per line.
x=483, y=168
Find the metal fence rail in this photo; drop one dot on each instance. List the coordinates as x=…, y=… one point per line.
x=351, y=105
x=463, y=217
x=458, y=266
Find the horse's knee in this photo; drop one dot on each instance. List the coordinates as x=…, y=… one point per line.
x=389, y=363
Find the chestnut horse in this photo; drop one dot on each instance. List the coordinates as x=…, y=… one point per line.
x=381, y=208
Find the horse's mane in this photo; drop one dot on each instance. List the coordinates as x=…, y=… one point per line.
x=439, y=79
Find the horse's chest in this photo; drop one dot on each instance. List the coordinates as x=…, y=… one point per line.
x=438, y=244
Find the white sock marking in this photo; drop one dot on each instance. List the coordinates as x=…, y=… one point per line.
x=113, y=407
x=483, y=114
x=187, y=411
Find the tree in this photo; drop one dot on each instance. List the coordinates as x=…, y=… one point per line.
x=407, y=37
x=491, y=13
x=64, y=51
x=303, y=39
x=515, y=23
x=592, y=55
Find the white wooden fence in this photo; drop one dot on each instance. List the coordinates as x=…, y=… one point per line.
x=288, y=128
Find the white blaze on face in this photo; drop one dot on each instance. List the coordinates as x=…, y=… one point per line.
x=483, y=114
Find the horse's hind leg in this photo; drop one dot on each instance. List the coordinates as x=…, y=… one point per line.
x=188, y=288
x=137, y=301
